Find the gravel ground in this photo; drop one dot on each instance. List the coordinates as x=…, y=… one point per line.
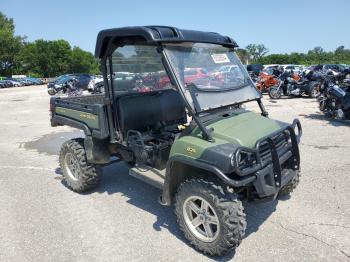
x=41, y=220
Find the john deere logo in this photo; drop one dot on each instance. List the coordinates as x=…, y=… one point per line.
x=191, y=150
x=88, y=116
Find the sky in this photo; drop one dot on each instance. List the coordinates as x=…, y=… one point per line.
x=283, y=26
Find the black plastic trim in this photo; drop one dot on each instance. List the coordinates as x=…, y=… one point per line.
x=60, y=120
x=212, y=169
x=155, y=35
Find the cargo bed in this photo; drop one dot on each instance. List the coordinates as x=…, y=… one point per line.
x=84, y=112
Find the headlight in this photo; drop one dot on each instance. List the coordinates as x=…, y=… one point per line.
x=244, y=160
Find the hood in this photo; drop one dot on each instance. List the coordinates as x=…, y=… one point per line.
x=243, y=128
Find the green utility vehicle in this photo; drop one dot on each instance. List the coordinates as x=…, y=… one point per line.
x=172, y=110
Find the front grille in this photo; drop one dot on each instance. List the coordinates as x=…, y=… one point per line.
x=281, y=142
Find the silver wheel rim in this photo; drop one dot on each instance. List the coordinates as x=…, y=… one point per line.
x=71, y=166
x=201, y=219
x=274, y=93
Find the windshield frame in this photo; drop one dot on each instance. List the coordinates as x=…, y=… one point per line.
x=192, y=101
x=110, y=96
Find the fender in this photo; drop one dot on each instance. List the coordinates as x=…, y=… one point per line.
x=59, y=120
x=170, y=177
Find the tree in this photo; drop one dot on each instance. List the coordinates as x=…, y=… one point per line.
x=243, y=55
x=317, y=50
x=340, y=49
x=83, y=62
x=10, y=46
x=256, y=51
x=53, y=58
x=46, y=58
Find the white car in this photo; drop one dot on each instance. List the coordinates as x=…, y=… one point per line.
x=295, y=68
x=272, y=66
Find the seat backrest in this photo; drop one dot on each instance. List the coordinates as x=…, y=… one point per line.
x=140, y=111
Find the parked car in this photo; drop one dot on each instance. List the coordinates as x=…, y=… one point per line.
x=256, y=68
x=326, y=67
x=35, y=80
x=13, y=82
x=294, y=68
x=82, y=81
x=3, y=84
x=7, y=83
x=272, y=66
x=25, y=81
x=334, y=67
x=57, y=79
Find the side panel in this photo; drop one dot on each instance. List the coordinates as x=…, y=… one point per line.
x=90, y=114
x=89, y=119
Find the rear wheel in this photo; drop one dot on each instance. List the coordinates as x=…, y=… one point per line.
x=78, y=174
x=51, y=91
x=275, y=93
x=212, y=220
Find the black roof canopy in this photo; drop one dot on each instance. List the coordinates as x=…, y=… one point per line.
x=156, y=34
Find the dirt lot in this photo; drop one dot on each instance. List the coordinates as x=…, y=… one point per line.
x=41, y=220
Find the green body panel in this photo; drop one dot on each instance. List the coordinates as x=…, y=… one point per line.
x=241, y=129
x=89, y=119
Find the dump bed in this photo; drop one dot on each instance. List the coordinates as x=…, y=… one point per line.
x=83, y=112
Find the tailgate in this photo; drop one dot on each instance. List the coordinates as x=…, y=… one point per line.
x=89, y=117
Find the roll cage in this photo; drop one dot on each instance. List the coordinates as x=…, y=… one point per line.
x=110, y=39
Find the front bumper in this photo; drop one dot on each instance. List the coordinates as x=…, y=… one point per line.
x=266, y=185
x=276, y=162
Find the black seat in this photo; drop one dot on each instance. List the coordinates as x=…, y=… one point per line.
x=149, y=110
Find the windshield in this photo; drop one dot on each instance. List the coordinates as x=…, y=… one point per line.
x=211, y=74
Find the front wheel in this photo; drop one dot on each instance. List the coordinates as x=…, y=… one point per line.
x=314, y=91
x=51, y=91
x=275, y=93
x=322, y=104
x=213, y=221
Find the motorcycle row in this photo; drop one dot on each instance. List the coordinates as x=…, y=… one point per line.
x=332, y=89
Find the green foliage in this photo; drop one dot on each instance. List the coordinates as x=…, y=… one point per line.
x=52, y=58
x=314, y=56
x=46, y=58
x=10, y=45
x=256, y=52
x=82, y=61
x=243, y=55
x=40, y=58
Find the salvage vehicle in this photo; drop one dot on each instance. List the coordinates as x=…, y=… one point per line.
x=59, y=85
x=265, y=81
x=193, y=140
x=291, y=86
x=334, y=100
